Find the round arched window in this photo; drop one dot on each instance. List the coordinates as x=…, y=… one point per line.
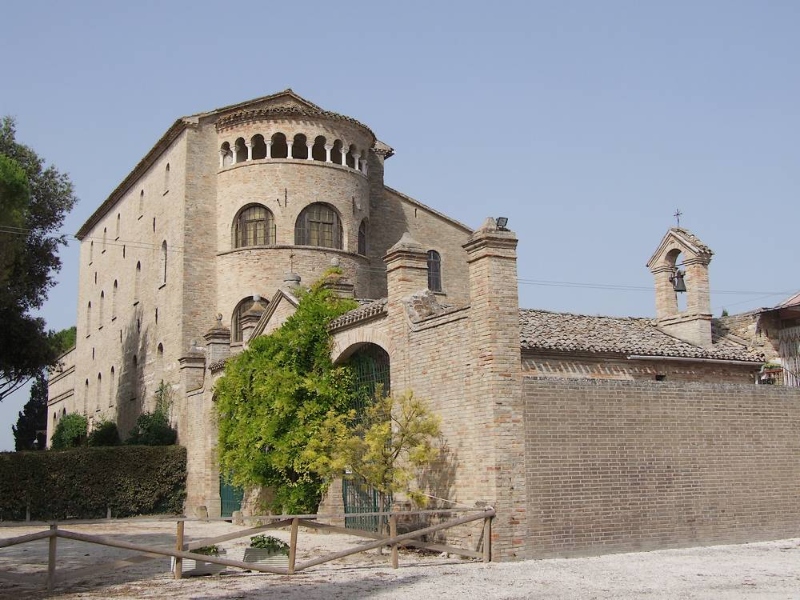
x=253, y=226
x=318, y=225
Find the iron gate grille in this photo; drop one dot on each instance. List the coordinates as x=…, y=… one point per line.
x=371, y=365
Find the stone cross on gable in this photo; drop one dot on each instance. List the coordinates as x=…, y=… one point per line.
x=678, y=214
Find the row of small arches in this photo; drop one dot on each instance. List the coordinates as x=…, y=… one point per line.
x=300, y=147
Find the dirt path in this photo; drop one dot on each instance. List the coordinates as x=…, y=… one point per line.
x=764, y=570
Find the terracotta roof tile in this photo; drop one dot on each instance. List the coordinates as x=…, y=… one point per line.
x=367, y=310
x=544, y=330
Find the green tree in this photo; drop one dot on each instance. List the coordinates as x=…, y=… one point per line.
x=70, y=432
x=385, y=446
x=273, y=397
x=30, y=216
x=32, y=421
x=153, y=428
x=30, y=432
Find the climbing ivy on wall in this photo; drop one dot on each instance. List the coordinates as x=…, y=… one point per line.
x=273, y=397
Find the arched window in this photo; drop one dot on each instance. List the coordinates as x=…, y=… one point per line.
x=318, y=225
x=111, y=391
x=236, y=318
x=336, y=152
x=137, y=280
x=254, y=226
x=350, y=158
x=318, y=152
x=100, y=310
x=163, y=269
x=362, y=238
x=279, y=147
x=141, y=203
x=160, y=356
x=114, y=300
x=434, y=271
x=259, y=147
x=299, y=147
x=89, y=319
x=225, y=155
x=99, y=391
x=241, y=150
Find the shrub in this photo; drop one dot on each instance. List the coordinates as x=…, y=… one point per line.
x=268, y=542
x=85, y=482
x=105, y=433
x=70, y=432
x=153, y=428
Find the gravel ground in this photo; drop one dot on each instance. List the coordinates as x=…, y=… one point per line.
x=761, y=570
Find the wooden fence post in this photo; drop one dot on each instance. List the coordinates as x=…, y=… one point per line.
x=179, y=546
x=487, y=539
x=392, y=534
x=51, y=558
x=293, y=545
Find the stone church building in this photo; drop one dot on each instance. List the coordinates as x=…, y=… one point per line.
x=587, y=434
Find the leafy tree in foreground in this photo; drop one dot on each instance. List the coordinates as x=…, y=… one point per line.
x=29, y=219
x=385, y=446
x=70, y=432
x=272, y=399
x=32, y=421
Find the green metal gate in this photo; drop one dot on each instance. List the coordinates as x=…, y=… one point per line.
x=231, y=497
x=371, y=364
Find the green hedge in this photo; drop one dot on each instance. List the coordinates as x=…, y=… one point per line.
x=83, y=483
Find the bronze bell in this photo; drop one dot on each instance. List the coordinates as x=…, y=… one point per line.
x=677, y=281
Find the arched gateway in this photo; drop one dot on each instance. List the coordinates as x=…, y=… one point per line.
x=371, y=364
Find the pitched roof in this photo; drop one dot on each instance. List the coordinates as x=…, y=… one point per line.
x=545, y=330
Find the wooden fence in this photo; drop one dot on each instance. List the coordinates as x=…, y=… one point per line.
x=182, y=550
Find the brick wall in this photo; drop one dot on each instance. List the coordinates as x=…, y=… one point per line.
x=619, y=466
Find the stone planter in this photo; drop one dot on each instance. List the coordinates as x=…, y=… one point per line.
x=190, y=567
x=262, y=556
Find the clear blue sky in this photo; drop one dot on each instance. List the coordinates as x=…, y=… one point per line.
x=586, y=123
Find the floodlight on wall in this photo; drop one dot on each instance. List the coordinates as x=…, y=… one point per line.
x=678, y=284
x=501, y=223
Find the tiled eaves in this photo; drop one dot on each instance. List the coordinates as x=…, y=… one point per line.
x=372, y=309
x=565, y=332
x=291, y=112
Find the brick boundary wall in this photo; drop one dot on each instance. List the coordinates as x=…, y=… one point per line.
x=618, y=466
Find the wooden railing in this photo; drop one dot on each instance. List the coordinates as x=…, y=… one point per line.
x=182, y=550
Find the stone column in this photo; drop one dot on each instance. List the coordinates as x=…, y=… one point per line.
x=269, y=148
x=328, y=149
x=310, y=146
x=249, y=146
x=289, y=144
